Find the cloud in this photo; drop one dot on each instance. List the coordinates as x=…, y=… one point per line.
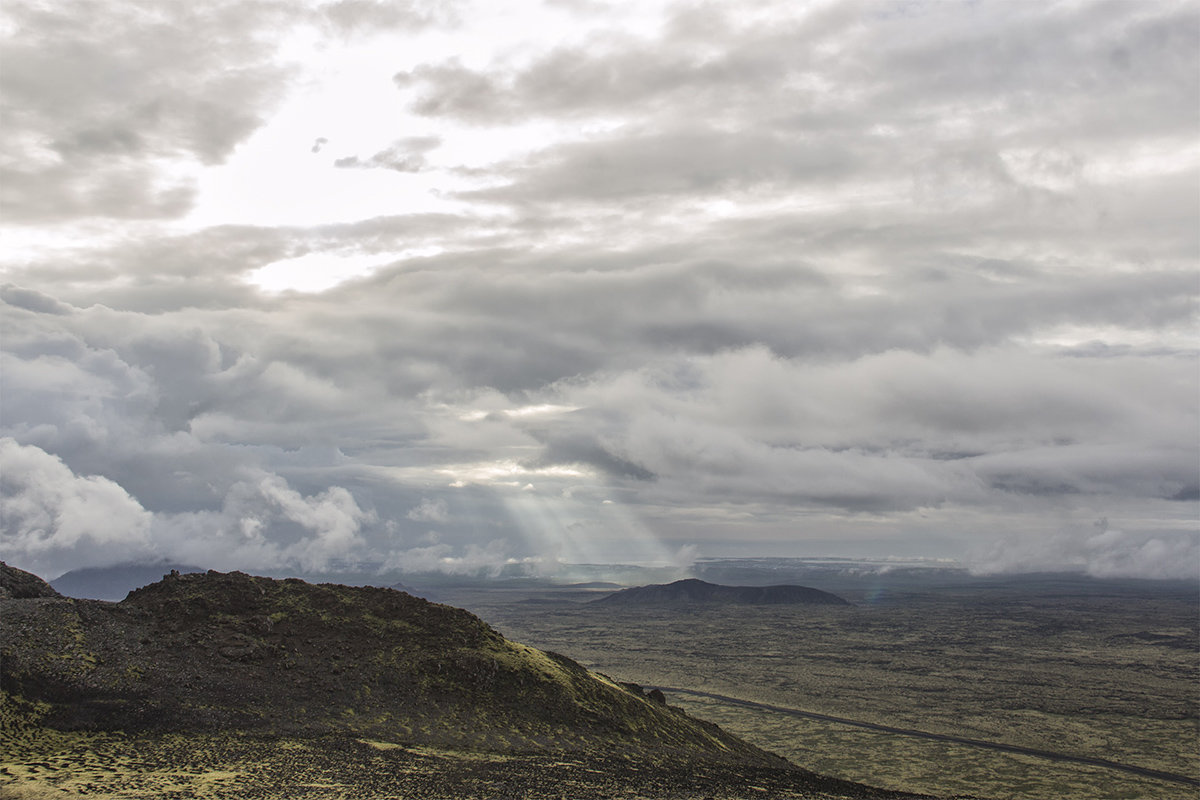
x=803, y=274
x=270, y=524
x=487, y=559
x=405, y=155
x=947, y=414
x=693, y=161
x=54, y=518
x=32, y=300
x=106, y=101
x=361, y=16
x=718, y=64
x=1100, y=551
x=581, y=449
x=430, y=511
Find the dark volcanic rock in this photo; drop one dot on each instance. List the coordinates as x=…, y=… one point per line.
x=218, y=651
x=20, y=585
x=380, y=692
x=694, y=591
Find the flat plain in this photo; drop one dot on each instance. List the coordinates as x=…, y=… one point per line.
x=1086, y=669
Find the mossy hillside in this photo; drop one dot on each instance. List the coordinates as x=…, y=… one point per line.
x=219, y=651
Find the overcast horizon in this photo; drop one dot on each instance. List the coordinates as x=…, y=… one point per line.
x=454, y=285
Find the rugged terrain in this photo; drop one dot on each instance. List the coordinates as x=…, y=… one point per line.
x=228, y=685
x=695, y=591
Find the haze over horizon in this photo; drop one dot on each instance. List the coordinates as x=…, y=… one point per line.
x=449, y=285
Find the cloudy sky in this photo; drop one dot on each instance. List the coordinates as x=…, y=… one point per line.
x=448, y=285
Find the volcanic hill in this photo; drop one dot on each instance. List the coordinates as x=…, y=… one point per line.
x=693, y=591
x=228, y=685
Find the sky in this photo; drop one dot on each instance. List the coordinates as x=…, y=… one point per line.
x=458, y=285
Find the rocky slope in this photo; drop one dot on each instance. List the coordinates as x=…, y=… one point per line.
x=694, y=591
x=20, y=585
x=233, y=661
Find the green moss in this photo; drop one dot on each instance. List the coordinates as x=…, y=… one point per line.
x=17, y=713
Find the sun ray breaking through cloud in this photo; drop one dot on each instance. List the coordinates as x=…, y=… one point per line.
x=858, y=275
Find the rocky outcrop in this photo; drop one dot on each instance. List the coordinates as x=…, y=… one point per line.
x=20, y=585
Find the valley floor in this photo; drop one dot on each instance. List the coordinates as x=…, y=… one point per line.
x=1089, y=670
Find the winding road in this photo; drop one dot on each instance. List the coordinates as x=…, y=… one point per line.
x=939, y=737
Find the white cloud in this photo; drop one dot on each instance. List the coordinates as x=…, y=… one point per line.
x=266, y=524
x=54, y=519
x=430, y=511
x=784, y=273
x=1100, y=551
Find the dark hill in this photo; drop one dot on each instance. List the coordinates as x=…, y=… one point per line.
x=291, y=685
x=214, y=651
x=694, y=591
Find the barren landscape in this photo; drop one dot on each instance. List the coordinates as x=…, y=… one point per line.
x=226, y=685
x=1100, y=670
x=847, y=347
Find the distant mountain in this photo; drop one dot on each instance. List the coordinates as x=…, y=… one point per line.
x=424, y=594
x=591, y=585
x=693, y=591
x=113, y=583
